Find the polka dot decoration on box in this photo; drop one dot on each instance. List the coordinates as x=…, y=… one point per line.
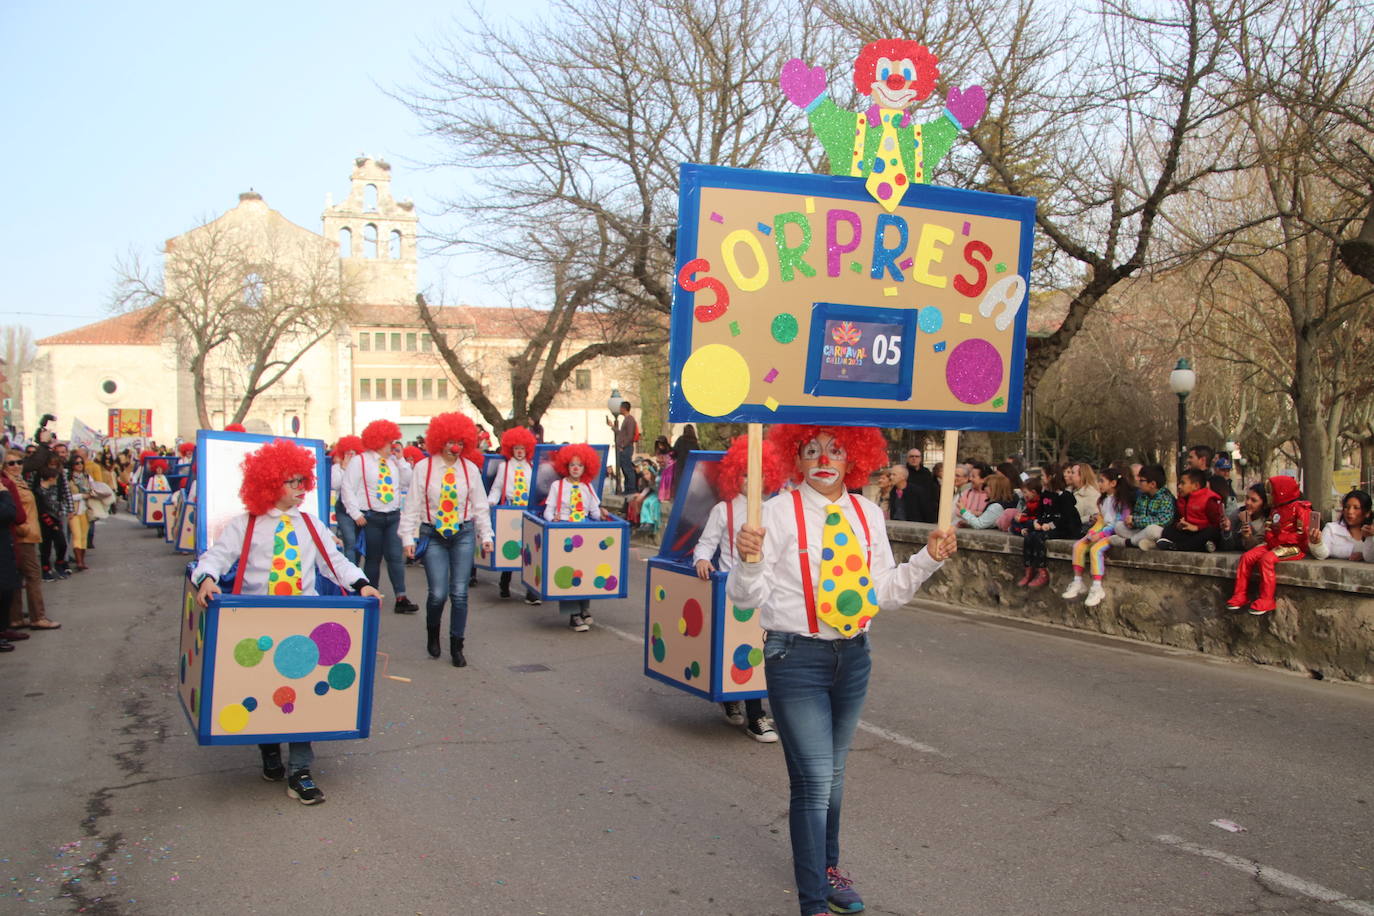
x=692, y=619
x=657, y=647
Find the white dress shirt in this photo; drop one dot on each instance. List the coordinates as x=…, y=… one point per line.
x=1339, y=545
x=360, y=481
x=504, y=484
x=229, y=545
x=716, y=534
x=558, y=507
x=774, y=585
x=471, y=498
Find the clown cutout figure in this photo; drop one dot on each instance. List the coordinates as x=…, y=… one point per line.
x=883, y=145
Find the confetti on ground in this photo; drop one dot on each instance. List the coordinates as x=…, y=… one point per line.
x=765, y=229
x=855, y=266
x=1224, y=824
x=940, y=347
x=770, y=402
x=716, y=217
x=966, y=318
x=1000, y=267
x=889, y=291
x=772, y=374
x=811, y=205
x=734, y=329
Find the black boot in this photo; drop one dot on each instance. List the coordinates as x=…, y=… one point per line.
x=434, y=650
x=455, y=648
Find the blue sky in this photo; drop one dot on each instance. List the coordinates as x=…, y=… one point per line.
x=128, y=123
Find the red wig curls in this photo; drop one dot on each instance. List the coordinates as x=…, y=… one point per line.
x=157, y=467
x=517, y=435
x=453, y=427
x=896, y=49
x=735, y=465
x=348, y=444
x=591, y=461
x=266, y=471
x=379, y=434
x=235, y=428
x=412, y=453
x=186, y=448
x=865, y=446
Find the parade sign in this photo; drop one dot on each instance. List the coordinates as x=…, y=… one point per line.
x=800, y=299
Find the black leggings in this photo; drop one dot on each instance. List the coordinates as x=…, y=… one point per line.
x=53, y=547
x=1033, y=549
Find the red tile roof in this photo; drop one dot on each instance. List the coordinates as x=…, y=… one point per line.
x=137, y=328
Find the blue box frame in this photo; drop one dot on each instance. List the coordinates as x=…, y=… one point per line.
x=551, y=528
x=322, y=471
x=821, y=312
x=693, y=177
x=367, y=668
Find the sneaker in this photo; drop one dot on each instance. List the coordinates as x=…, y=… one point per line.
x=533, y=600
x=587, y=618
x=301, y=786
x=272, y=768
x=734, y=712
x=1260, y=608
x=1147, y=544
x=1210, y=546
x=49, y=576
x=1095, y=595
x=762, y=730
x=64, y=574
x=1076, y=588
x=842, y=897
x=406, y=606
x=577, y=624
x=504, y=593
x=1117, y=540
x=1162, y=544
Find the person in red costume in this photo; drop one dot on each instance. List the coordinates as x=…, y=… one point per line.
x=1285, y=538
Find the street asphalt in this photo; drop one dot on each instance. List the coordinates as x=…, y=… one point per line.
x=1001, y=768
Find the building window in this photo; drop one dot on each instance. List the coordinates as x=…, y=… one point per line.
x=396, y=341
x=426, y=343
x=345, y=242
x=364, y=389
x=395, y=389
x=410, y=342
x=254, y=290
x=582, y=378
x=370, y=240
x=394, y=245
x=411, y=389
x=370, y=198
x=379, y=386
x=441, y=389
x=364, y=341
x=427, y=388
x=380, y=341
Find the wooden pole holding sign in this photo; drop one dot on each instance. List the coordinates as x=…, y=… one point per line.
x=754, y=481
x=944, y=521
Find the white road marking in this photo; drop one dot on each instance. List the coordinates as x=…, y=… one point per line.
x=629, y=637
x=897, y=738
x=1272, y=876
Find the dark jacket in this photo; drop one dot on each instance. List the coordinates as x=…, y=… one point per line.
x=9, y=517
x=922, y=495
x=1061, y=510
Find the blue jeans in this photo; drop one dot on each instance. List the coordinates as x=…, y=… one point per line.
x=448, y=566
x=578, y=606
x=383, y=540
x=301, y=755
x=816, y=688
x=625, y=464
x=348, y=532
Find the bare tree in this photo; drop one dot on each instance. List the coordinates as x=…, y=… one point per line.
x=16, y=355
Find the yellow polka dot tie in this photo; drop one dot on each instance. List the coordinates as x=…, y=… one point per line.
x=887, y=181
x=847, y=600
x=577, y=510
x=284, y=576
x=521, y=494
x=386, y=486
x=448, y=505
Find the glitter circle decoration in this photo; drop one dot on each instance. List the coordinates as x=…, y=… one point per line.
x=296, y=657
x=929, y=319
x=784, y=327
x=333, y=642
x=233, y=718
x=974, y=371
x=510, y=550
x=342, y=676
x=692, y=618
x=247, y=652
x=715, y=380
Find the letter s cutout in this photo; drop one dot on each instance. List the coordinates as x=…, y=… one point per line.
x=684, y=279
x=1009, y=292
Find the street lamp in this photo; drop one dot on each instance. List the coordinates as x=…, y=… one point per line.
x=613, y=402
x=1181, y=382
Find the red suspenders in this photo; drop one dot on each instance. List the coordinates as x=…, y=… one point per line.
x=807, y=587
x=248, y=543
x=467, y=489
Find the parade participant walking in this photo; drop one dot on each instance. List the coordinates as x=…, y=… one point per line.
x=719, y=535
x=512, y=488
x=823, y=568
x=372, y=498
x=279, y=550
x=345, y=450
x=447, y=504
x=573, y=499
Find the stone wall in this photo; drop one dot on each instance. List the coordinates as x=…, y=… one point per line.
x=1324, y=624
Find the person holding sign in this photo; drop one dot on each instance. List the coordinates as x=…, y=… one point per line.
x=448, y=504
x=279, y=550
x=818, y=569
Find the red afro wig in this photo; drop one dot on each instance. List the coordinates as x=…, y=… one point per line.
x=865, y=445
x=379, y=434
x=412, y=453
x=266, y=470
x=186, y=448
x=517, y=435
x=453, y=427
x=348, y=444
x=896, y=49
x=591, y=461
x=735, y=464
x=235, y=428
x=157, y=467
